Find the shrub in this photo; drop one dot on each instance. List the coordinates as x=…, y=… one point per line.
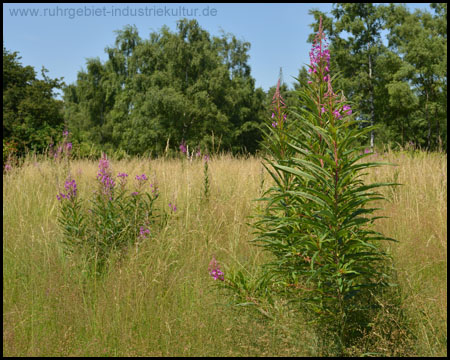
x=317, y=224
x=115, y=218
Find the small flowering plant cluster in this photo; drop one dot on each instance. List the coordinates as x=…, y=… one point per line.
x=319, y=57
x=9, y=155
x=7, y=168
x=317, y=223
x=214, y=270
x=122, y=180
x=104, y=176
x=143, y=232
x=71, y=188
x=173, y=207
x=113, y=218
x=61, y=150
x=184, y=149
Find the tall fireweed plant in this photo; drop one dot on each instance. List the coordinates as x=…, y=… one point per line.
x=113, y=219
x=317, y=222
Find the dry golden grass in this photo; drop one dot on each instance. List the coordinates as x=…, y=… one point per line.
x=418, y=219
x=159, y=302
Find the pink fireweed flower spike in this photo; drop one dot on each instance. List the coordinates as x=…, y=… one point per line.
x=337, y=114
x=144, y=232
x=214, y=270
x=277, y=102
x=154, y=188
x=173, y=207
x=71, y=188
x=183, y=147
x=347, y=109
x=330, y=93
x=105, y=178
x=142, y=177
x=319, y=55
x=141, y=181
x=123, y=179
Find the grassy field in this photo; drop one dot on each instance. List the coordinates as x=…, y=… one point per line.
x=159, y=300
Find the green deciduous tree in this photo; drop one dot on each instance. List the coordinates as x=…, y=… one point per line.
x=172, y=87
x=31, y=114
x=420, y=40
x=401, y=84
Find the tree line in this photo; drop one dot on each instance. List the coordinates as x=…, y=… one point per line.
x=187, y=86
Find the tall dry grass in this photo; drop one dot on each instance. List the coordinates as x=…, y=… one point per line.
x=417, y=214
x=159, y=301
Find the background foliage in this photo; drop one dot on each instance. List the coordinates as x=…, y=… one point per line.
x=166, y=89
x=401, y=84
x=31, y=115
x=152, y=94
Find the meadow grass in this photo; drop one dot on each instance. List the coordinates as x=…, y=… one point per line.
x=159, y=299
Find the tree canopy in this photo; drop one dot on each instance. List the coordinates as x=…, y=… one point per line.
x=173, y=87
x=401, y=85
x=31, y=114
x=189, y=87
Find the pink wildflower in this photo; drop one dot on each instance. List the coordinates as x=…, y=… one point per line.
x=214, y=270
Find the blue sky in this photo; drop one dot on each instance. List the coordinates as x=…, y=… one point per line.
x=61, y=39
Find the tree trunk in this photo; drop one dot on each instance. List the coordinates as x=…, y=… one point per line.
x=403, y=133
x=372, y=111
x=429, y=123
x=438, y=130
